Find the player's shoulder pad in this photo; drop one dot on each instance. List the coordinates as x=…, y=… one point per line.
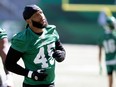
x=51, y=27
x=19, y=36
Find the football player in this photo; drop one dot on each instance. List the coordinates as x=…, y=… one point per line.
x=3, y=51
x=39, y=46
x=108, y=41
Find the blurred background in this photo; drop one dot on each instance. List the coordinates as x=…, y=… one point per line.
x=76, y=20
x=79, y=25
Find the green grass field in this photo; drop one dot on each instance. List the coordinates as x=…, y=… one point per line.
x=80, y=69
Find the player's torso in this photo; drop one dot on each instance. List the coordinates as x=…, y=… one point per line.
x=109, y=44
x=38, y=54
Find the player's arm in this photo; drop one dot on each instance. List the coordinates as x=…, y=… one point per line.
x=59, y=51
x=3, y=50
x=11, y=64
x=100, y=56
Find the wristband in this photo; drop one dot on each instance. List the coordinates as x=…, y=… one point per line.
x=30, y=74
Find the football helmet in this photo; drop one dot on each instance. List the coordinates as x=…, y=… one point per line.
x=111, y=22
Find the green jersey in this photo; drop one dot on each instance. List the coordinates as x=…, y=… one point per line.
x=2, y=33
x=108, y=41
x=37, y=52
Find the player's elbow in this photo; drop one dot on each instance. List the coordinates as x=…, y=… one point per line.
x=7, y=65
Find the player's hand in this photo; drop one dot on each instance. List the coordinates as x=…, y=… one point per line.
x=39, y=75
x=59, y=55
